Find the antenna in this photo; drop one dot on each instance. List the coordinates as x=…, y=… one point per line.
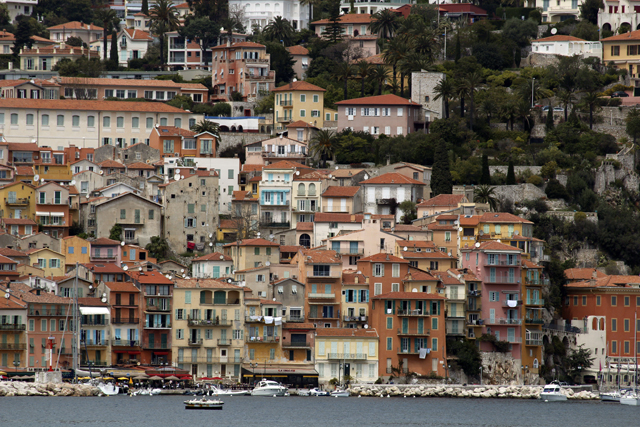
x=268, y=263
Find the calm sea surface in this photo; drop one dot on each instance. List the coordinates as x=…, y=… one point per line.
x=250, y=411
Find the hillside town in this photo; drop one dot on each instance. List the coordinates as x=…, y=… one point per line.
x=321, y=193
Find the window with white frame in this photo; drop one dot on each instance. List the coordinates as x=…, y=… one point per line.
x=378, y=270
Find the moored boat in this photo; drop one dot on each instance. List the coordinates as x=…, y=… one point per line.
x=552, y=393
x=340, y=393
x=109, y=389
x=203, y=403
x=269, y=388
x=215, y=391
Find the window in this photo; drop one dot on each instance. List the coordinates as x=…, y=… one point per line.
x=303, y=98
x=167, y=146
x=14, y=118
x=378, y=270
x=614, y=301
x=149, y=122
x=120, y=122
x=389, y=343
x=177, y=123
x=45, y=120
x=29, y=119
x=135, y=122
x=316, y=98
x=206, y=146
x=75, y=121
x=614, y=325
x=321, y=271
x=395, y=270
x=303, y=113
x=106, y=122
x=400, y=111
x=91, y=121
x=189, y=144
x=615, y=50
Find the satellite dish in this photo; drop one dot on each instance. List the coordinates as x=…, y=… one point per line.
x=229, y=280
x=477, y=245
x=499, y=241
x=36, y=177
x=7, y=296
x=414, y=290
x=210, y=235
x=178, y=171
x=140, y=269
x=271, y=236
x=460, y=229
x=182, y=270
x=258, y=234
x=516, y=232
x=187, y=277
x=103, y=299
x=170, y=277
x=337, y=168
x=359, y=272
x=121, y=243
x=125, y=268
x=405, y=248
x=210, y=244
x=42, y=180
x=221, y=256
x=268, y=263
x=90, y=287
x=297, y=172
x=101, y=172
x=104, y=295
x=177, y=177
x=554, y=30
x=73, y=182
x=366, y=326
x=167, y=276
x=449, y=253
x=274, y=299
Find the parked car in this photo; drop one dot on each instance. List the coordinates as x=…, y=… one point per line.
x=619, y=94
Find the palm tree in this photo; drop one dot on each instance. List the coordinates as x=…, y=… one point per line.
x=508, y=110
x=414, y=61
x=566, y=99
x=444, y=90
x=385, y=23
x=486, y=194
x=164, y=18
x=207, y=126
x=279, y=30
x=591, y=100
x=393, y=53
x=364, y=71
x=323, y=144
x=344, y=71
x=487, y=107
x=109, y=20
x=460, y=90
x=380, y=74
x=470, y=83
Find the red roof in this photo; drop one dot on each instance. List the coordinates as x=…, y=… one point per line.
x=631, y=35
x=286, y=164
x=349, y=18
x=463, y=8
x=299, y=85
x=559, y=38
x=409, y=295
x=138, y=34
x=502, y=217
x=298, y=50
x=392, y=178
x=338, y=191
x=174, y=131
x=389, y=99
x=346, y=332
x=18, y=221
x=111, y=164
x=88, y=105
x=382, y=257
x=140, y=165
x=252, y=242
x=11, y=252
x=583, y=273
x=214, y=256
x=228, y=223
x=150, y=277
x=495, y=246
x=300, y=124
x=240, y=44
x=337, y=217
x=286, y=248
x=122, y=286
x=304, y=226
x=449, y=200
x=76, y=25
x=103, y=241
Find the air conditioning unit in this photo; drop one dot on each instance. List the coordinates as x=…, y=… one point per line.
x=295, y=276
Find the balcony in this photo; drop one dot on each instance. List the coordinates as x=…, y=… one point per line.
x=17, y=202
x=355, y=318
x=52, y=201
x=131, y=221
x=86, y=363
x=514, y=340
x=166, y=325
x=514, y=303
x=473, y=308
x=474, y=323
x=124, y=320
x=502, y=321
x=283, y=119
x=286, y=103
x=158, y=307
x=412, y=313
x=271, y=203
x=532, y=301
x=156, y=346
x=504, y=279
x=533, y=282
x=13, y=346
x=267, y=340
x=476, y=293
x=352, y=252
x=533, y=341
x=321, y=296
x=407, y=351
x=94, y=343
x=40, y=313
x=385, y=201
x=224, y=342
x=125, y=343
x=302, y=344
x=12, y=327
x=528, y=321
x=414, y=332
x=320, y=316
x=212, y=322
x=347, y=356
x=295, y=319
x=95, y=322
x=131, y=240
x=195, y=343
x=104, y=258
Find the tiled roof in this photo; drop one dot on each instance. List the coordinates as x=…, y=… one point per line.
x=446, y=279
x=349, y=277
x=345, y=173
x=425, y=255
x=28, y=294
x=103, y=81
x=105, y=268
x=583, y=273
x=559, y=38
x=75, y=25
x=434, y=226
x=338, y=191
x=149, y=277
x=463, y=8
x=415, y=244
x=349, y=18
x=495, y=246
x=24, y=171
x=299, y=85
x=304, y=226
x=502, y=217
x=298, y=50
x=138, y=34
x=286, y=164
x=269, y=302
x=337, y=217
x=205, y=283
x=392, y=178
x=251, y=168
x=288, y=248
x=630, y=36
x=320, y=256
x=406, y=227
x=5, y=260
x=22, y=146
x=300, y=124
x=346, y=332
x=448, y=200
x=470, y=221
x=214, y=256
x=415, y=274
x=88, y=105
x=262, y=267
x=228, y=223
x=103, y=241
x=240, y=44
x=140, y=165
x=469, y=276
x=39, y=82
x=11, y=252
x=122, y=287
x=111, y=164
x=409, y=295
x=617, y=281
x=388, y=99
x=18, y=221
x=528, y=264
x=252, y=242
x=382, y=257
x=91, y=302
x=174, y=131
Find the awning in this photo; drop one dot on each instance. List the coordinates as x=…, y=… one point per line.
x=161, y=353
x=134, y=352
x=284, y=371
x=93, y=310
x=60, y=214
x=129, y=229
x=42, y=213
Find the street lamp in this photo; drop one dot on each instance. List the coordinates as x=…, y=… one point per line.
x=533, y=82
x=16, y=363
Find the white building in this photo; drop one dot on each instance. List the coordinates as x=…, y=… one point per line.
x=373, y=6
x=616, y=13
x=227, y=168
x=19, y=7
x=261, y=13
x=212, y=266
x=327, y=225
x=131, y=43
x=383, y=191
x=558, y=10
x=566, y=46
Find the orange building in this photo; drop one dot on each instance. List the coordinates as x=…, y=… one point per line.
x=176, y=142
x=124, y=299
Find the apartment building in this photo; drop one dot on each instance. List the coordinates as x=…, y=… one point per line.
x=125, y=300
x=342, y=353
x=390, y=115
x=382, y=191
x=299, y=101
x=86, y=32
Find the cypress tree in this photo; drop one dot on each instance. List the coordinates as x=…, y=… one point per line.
x=485, y=178
x=113, y=55
x=441, y=182
x=549, y=123
x=511, y=176
x=458, y=51
x=145, y=7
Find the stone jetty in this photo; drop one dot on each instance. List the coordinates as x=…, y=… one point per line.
x=20, y=388
x=419, y=390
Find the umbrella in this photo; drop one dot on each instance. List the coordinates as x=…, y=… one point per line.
x=142, y=375
x=123, y=378
x=172, y=378
x=155, y=378
x=185, y=377
x=3, y=373
x=84, y=378
x=107, y=378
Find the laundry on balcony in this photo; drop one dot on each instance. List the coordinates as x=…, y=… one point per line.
x=191, y=245
x=422, y=353
x=268, y=320
x=199, y=246
x=512, y=303
x=278, y=320
x=258, y=318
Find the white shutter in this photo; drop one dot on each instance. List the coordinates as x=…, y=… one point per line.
x=400, y=195
x=386, y=191
x=362, y=111
x=365, y=129
x=400, y=111
x=387, y=130
x=343, y=205
x=371, y=194
x=329, y=205
x=346, y=111
x=399, y=130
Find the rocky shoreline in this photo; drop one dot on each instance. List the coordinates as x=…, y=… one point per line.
x=506, y=392
x=20, y=388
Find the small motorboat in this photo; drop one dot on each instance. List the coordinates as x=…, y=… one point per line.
x=317, y=392
x=203, y=403
x=269, y=388
x=340, y=393
x=552, y=393
x=109, y=389
x=303, y=392
x=610, y=396
x=215, y=391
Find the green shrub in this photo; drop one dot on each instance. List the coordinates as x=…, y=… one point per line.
x=580, y=216
x=535, y=180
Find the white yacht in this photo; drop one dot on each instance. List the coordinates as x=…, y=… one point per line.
x=269, y=388
x=610, y=396
x=631, y=398
x=216, y=391
x=552, y=393
x=109, y=389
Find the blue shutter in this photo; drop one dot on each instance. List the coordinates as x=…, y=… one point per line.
x=216, y=272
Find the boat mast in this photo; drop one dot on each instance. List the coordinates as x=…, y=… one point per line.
x=76, y=320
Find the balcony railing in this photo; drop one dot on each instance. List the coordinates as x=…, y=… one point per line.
x=286, y=103
x=125, y=343
x=295, y=319
x=302, y=344
x=533, y=341
x=514, y=303
x=224, y=342
x=262, y=339
x=95, y=322
x=94, y=343
x=407, y=351
x=321, y=296
x=414, y=332
x=86, y=363
x=514, y=340
x=52, y=201
x=124, y=320
x=23, y=201
x=47, y=313
x=347, y=356
x=195, y=343
x=131, y=221
x=502, y=321
x=417, y=313
x=283, y=119
x=158, y=325
x=504, y=279
x=156, y=346
x=476, y=293
x=385, y=201
x=158, y=307
x=322, y=316
x=13, y=327
x=533, y=321
x=282, y=204
x=355, y=318
x=207, y=322
x=349, y=251
x=533, y=281
x=13, y=346
x=532, y=301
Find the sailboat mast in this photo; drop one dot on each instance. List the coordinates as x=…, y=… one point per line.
x=74, y=345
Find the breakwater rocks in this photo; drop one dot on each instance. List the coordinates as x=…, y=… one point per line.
x=507, y=392
x=19, y=388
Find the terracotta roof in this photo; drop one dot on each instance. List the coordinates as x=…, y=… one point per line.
x=38, y=82
x=425, y=255
x=111, y=164
x=392, y=178
x=239, y=44
x=22, y=146
x=349, y=18
x=88, y=105
x=583, y=273
x=262, y=267
x=447, y=279
x=304, y=226
x=286, y=164
x=495, y=246
x=122, y=287
x=299, y=85
x=24, y=171
x=28, y=294
x=502, y=217
x=406, y=227
x=434, y=226
x=337, y=217
x=91, y=301
x=382, y=257
x=214, y=256
x=468, y=276
x=298, y=50
x=345, y=173
x=228, y=223
x=150, y=277
x=463, y=8
x=288, y=248
x=559, y=38
x=298, y=326
x=11, y=252
x=103, y=241
x=617, y=281
x=338, y=191
x=18, y=221
x=251, y=168
x=5, y=260
x=138, y=34
x=447, y=200
x=269, y=302
x=205, y=283
x=388, y=99
x=373, y=59
x=630, y=36
x=105, y=268
x=252, y=242
x=75, y=25
x=470, y=221
x=415, y=243
x=103, y=81
x=256, y=178
x=320, y=256
x=174, y=131
x=347, y=332
x=140, y=165
x=418, y=275
x=300, y=124
x=349, y=277
x=409, y=295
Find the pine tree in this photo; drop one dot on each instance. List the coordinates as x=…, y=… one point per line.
x=23, y=36
x=549, y=123
x=113, y=54
x=458, y=51
x=485, y=178
x=441, y=182
x=145, y=7
x=333, y=31
x=511, y=175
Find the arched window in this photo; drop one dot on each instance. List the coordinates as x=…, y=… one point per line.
x=601, y=328
x=300, y=189
x=312, y=189
x=594, y=324
x=305, y=240
x=535, y=363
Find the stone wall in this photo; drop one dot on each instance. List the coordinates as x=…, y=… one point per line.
x=539, y=60
x=231, y=139
x=500, y=368
x=519, y=192
x=569, y=215
x=535, y=170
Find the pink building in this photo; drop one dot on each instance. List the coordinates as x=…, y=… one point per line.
x=391, y=115
x=498, y=267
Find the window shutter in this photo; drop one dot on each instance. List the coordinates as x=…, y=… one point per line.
x=185, y=222
x=362, y=111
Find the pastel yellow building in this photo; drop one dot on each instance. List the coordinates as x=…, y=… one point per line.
x=75, y=249
x=299, y=101
x=263, y=334
x=53, y=166
x=50, y=261
x=346, y=354
x=623, y=51
x=17, y=200
x=250, y=253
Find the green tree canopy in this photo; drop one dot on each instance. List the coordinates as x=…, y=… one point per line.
x=441, y=182
x=116, y=232
x=158, y=248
